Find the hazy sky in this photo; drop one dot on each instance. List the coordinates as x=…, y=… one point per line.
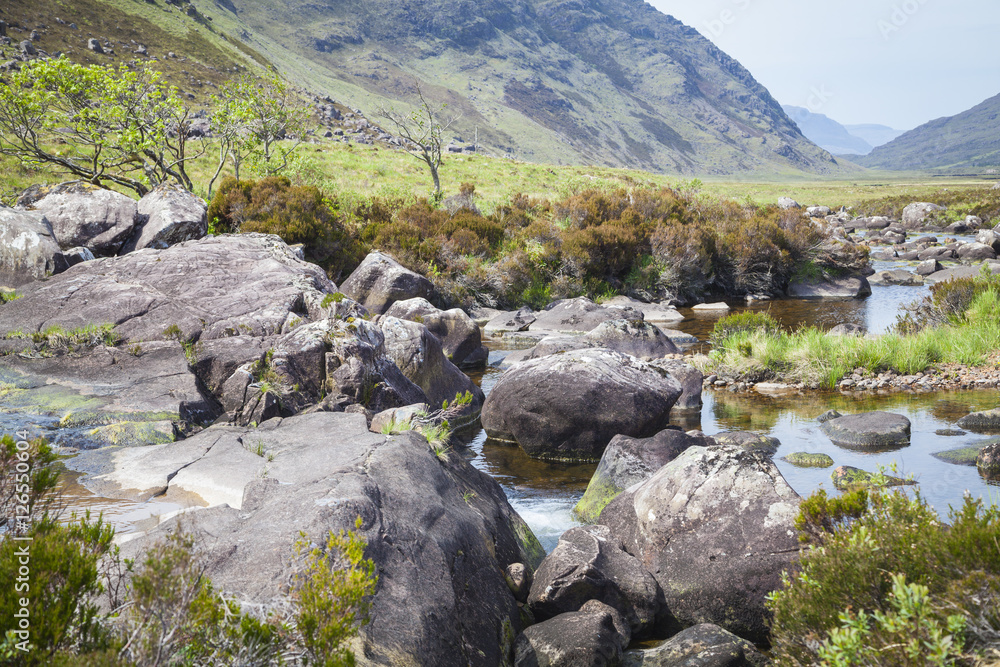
x=893, y=62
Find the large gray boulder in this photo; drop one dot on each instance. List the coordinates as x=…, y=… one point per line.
x=379, y=281
x=716, y=528
x=703, y=645
x=212, y=288
x=168, y=215
x=459, y=335
x=869, y=430
x=591, y=637
x=917, y=213
x=690, y=379
x=84, y=215
x=830, y=288
x=989, y=237
x=440, y=532
x=569, y=406
x=578, y=316
x=419, y=355
x=628, y=461
x=635, y=337
x=976, y=251
x=589, y=563
x=28, y=249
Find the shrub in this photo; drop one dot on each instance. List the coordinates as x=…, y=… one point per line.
x=745, y=322
x=856, y=565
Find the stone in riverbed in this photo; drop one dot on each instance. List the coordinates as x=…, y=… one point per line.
x=635, y=337
x=847, y=329
x=459, y=335
x=716, y=528
x=752, y=442
x=703, y=645
x=808, y=460
x=586, y=638
x=569, y=406
x=830, y=288
x=988, y=461
x=590, y=564
x=509, y=322
x=927, y=267
x=711, y=307
x=578, y=316
x=654, y=313
x=869, y=430
x=917, y=213
x=896, y=277
x=963, y=456
x=690, y=379
x=987, y=421
x=846, y=478
x=628, y=461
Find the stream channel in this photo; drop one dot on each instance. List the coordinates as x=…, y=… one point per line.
x=544, y=493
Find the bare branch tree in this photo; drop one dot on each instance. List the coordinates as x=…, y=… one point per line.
x=424, y=130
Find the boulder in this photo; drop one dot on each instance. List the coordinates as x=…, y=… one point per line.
x=869, y=430
x=752, y=442
x=587, y=564
x=585, y=638
x=830, y=288
x=877, y=222
x=578, y=316
x=690, y=379
x=508, y=322
x=72, y=257
x=460, y=337
x=808, y=460
x=680, y=338
x=916, y=214
x=628, y=461
x=654, y=313
x=927, y=267
x=168, y=215
x=841, y=254
x=634, y=337
x=397, y=420
x=379, y=281
x=988, y=461
x=84, y=215
x=716, y=528
x=569, y=406
x=976, y=251
x=818, y=211
x=440, y=532
x=986, y=421
x=846, y=478
x=215, y=287
x=419, y=355
x=787, y=203
x=719, y=306
x=896, y=277
x=28, y=249
x=990, y=238
x=703, y=645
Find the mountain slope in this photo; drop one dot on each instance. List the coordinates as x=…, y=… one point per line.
x=608, y=82
x=826, y=132
x=969, y=139
x=874, y=134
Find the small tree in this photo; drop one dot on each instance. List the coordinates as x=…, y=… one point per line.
x=251, y=118
x=423, y=129
x=120, y=126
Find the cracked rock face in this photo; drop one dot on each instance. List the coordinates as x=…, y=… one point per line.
x=715, y=528
x=440, y=532
x=569, y=406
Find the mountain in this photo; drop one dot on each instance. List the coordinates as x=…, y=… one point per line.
x=826, y=132
x=602, y=82
x=875, y=135
x=970, y=139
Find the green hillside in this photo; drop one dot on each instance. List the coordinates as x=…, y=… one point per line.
x=969, y=140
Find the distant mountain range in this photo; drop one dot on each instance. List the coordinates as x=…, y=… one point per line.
x=840, y=139
x=969, y=140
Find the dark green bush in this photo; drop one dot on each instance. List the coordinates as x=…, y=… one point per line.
x=298, y=214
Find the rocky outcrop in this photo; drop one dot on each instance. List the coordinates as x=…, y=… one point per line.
x=168, y=215
x=715, y=527
x=379, y=281
x=590, y=637
x=869, y=430
x=460, y=337
x=28, y=248
x=703, y=645
x=419, y=355
x=569, y=406
x=84, y=215
x=628, y=461
x=590, y=564
x=440, y=532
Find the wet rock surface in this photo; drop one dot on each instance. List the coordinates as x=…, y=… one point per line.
x=869, y=430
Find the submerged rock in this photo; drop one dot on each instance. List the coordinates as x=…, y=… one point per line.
x=716, y=528
x=703, y=645
x=846, y=478
x=963, y=456
x=569, y=406
x=869, y=430
x=808, y=460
